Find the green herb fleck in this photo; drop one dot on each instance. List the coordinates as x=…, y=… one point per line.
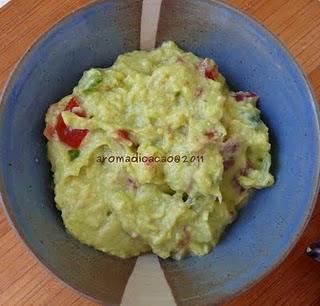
x=73, y=154
x=90, y=80
x=255, y=119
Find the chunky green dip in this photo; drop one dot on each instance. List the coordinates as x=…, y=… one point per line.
x=165, y=102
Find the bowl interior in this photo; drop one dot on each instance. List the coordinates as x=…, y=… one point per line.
x=249, y=57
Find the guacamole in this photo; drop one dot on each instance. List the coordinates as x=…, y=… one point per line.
x=163, y=103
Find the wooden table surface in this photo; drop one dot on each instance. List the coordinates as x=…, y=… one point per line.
x=23, y=281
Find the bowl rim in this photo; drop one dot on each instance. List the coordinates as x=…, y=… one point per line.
x=253, y=20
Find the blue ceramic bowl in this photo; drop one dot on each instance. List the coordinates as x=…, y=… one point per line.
x=249, y=57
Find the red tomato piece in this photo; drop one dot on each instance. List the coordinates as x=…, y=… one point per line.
x=227, y=164
x=73, y=103
x=124, y=134
x=212, y=73
x=208, y=68
x=49, y=131
x=241, y=95
x=209, y=134
x=69, y=136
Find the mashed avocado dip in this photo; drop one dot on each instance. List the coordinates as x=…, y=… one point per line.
x=165, y=102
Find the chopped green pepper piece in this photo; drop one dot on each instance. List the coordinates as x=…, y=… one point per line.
x=73, y=154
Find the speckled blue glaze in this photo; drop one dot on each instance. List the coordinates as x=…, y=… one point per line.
x=250, y=58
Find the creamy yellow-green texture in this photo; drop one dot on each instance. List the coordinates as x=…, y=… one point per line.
x=158, y=103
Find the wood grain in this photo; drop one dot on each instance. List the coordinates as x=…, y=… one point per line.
x=23, y=281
